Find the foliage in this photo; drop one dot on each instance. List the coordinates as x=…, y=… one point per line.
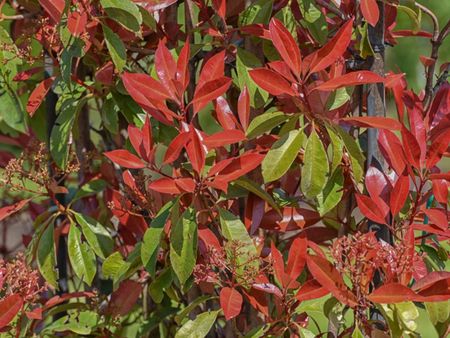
x=199, y=168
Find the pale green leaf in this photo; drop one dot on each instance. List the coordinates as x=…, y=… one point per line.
x=81, y=256
x=199, y=327
x=264, y=123
x=46, y=258
x=116, y=48
x=124, y=12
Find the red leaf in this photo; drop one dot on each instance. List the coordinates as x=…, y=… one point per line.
x=437, y=217
x=165, y=66
x=54, y=8
x=231, y=302
x=285, y=45
x=210, y=91
x=76, y=23
x=350, y=79
x=182, y=74
x=147, y=140
x=165, y=185
x=440, y=190
x=392, y=293
x=373, y=122
x=370, y=209
x=268, y=288
x=186, y=184
x=27, y=74
x=430, y=279
x=9, y=307
x=244, y=108
x=212, y=69
x=399, y=194
x=325, y=273
x=38, y=95
x=224, y=114
x=297, y=257
x=13, y=208
x=35, y=313
x=124, y=298
x=311, y=290
x=437, y=149
x=147, y=92
x=221, y=7
x=411, y=148
x=55, y=300
x=175, y=147
x=392, y=150
x=271, y=82
x=224, y=138
x=334, y=49
x=196, y=150
x=370, y=11
x=278, y=264
x=135, y=137
x=125, y=159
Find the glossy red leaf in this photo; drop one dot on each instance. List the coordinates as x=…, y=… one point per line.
x=334, y=49
x=165, y=185
x=125, y=159
x=326, y=274
x=268, y=288
x=440, y=190
x=176, y=146
x=210, y=91
x=76, y=22
x=165, y=66
x=224, y=114
x=182, y=74
x=370, y=209
x=13, y=208
x=311, y=290
x=438, y=217
x=392, y=293
x=373, y=122
x=54, y=8
x=370, y=11
x=38, y=95
x=437, y=149
x=286, y=45
x=430, y=279
x=9, y=307
x=196, y=150
x=350, y=79
x=271, y=82
x=221, y=7
x=399, y=194
x=230, y=302
x=124, y=298
x=297, y=257
x=244, y=108
x=278, y=264
x=58, y=299
x=411, y=148
x=224, y=138
x=392, y=150
x=135, y=137
x=147, y=139
x=212, y=69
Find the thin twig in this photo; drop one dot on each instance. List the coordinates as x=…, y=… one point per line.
x=332, y=9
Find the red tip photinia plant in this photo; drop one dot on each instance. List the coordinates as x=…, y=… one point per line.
x=222, y=168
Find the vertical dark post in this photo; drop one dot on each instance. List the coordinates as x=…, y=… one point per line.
x=376, y=107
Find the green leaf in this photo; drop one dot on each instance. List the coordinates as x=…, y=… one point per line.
x=407, y=314
x=113, y=266
x=315, y=167
x=129, y=109
x=152, y=238
x=199, y=327
x=110, y=115
x=184, y=312
x=59, y=138
x=160, y=284
x=357, y=333
x=258, y=12
x=253, y=187
x=81, y=256
x=46, y=258
x=183, y=246
x=124, y=12
x=264, y=123
x=356, y=155
x=281, y=156
x=331, y=195
x=244, y=62
x=90, y=188
x=337, y=146
x=11, y=104
x=116, y=48
x=439, y=312
x=96, y=235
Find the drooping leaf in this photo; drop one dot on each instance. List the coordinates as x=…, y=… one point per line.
x=116, y=48
x=281, y=156
x=370, y=11
x=183, y=245
x=392, y=293
x=81, y=256
x=13, y=208
x=231, y=302
x=46, y=258
x=124, y=12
